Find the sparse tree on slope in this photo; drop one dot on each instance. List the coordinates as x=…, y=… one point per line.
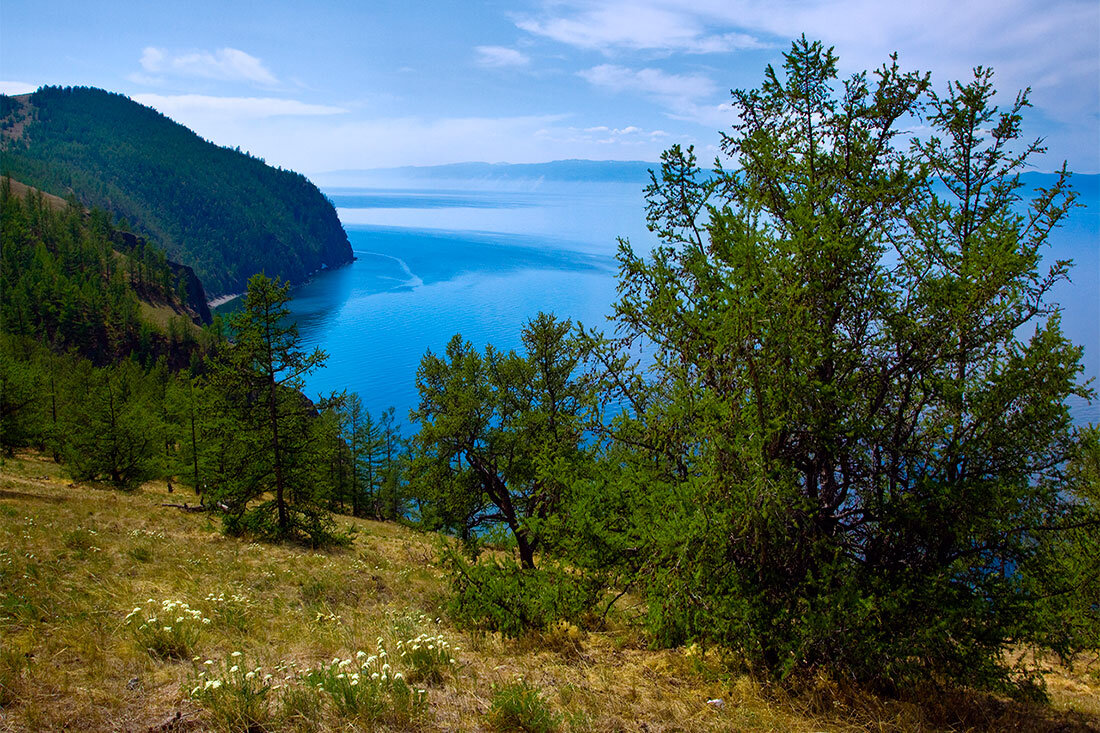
x=498, y=432
x=266, y=446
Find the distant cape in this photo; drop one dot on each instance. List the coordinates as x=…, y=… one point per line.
x=224, y=213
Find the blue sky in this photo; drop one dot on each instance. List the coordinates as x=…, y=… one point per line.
x=330, y=85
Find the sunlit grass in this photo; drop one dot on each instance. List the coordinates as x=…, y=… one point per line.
x=83, y=568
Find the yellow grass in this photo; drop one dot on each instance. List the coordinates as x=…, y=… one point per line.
x=161, y=314
x=75, y=560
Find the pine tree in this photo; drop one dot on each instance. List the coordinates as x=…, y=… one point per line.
x=266, y=447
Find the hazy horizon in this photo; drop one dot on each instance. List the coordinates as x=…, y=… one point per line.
x=333, y=86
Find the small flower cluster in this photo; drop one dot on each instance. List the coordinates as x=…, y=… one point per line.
x=233, y=692
x=330, y=618
x=222, y=599
x=229, y=610
x=367, y=687
x=428, y=658
x=139, y=533
x=169, y=629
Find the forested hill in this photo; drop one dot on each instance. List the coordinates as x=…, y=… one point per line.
x=72, y=281
x=226, y=214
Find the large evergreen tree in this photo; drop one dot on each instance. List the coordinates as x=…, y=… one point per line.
x=266, y=478
x=847, y=451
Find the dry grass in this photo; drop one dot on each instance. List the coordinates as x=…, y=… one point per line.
x=75, y=560
x=161, y=314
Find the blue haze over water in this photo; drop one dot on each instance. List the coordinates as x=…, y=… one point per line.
x=481, y=259
x=433, y=263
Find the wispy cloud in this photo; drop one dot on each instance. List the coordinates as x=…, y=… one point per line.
x=184, y=107
x=603, y=135
x=500, y=57
x=605, y=26
x=653, y=82
x=1054, y=47
x=224, y=64
x=11, y=88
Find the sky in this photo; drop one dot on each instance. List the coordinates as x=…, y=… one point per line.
x=345, y=84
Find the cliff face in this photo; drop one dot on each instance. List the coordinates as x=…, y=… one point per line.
x=195, y=304
x=224, y=213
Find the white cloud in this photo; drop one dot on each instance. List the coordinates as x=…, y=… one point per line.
x=682, y=95
x=629, y=137
x=653, y=82
x=225, y=64
x=500, y=57
x=1053, y=47
x=185, y=107
x=12, y=88
x=607, y=25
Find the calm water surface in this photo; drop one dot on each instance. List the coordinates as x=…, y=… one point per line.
x=432, y=263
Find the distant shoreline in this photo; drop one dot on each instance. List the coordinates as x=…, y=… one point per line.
x=222, y=300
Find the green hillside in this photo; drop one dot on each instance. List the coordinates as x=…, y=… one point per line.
x=72, y=281
x=224, y=213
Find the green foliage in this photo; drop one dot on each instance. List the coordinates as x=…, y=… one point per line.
x=844, y=454
x=111, y=435
x=506, y=597
x=224, y=213
x=22, y=418
x=518, y=706
x=73, y=281
x=364, y=441
x=500, y=434
x=267, y=443
x=1067, y=566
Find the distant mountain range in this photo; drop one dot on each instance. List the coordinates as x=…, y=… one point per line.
x=224, y=213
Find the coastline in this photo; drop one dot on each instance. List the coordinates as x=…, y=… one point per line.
x=222, y=300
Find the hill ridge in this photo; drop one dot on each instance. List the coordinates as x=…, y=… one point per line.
x=224, y=213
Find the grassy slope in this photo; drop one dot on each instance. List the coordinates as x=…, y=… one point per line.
x=74, y=560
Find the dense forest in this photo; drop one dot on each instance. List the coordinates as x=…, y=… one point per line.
x=222, y=212
x=846, y=448
x=75, y=281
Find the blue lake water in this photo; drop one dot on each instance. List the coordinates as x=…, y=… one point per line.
x=432, y=263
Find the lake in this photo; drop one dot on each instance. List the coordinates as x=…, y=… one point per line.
x=482, y=260
x=433, y=263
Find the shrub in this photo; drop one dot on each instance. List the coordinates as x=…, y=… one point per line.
x=428, y=659
x=502, y=596
x=850, y=431
x=517, y=706
x=368, y=688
